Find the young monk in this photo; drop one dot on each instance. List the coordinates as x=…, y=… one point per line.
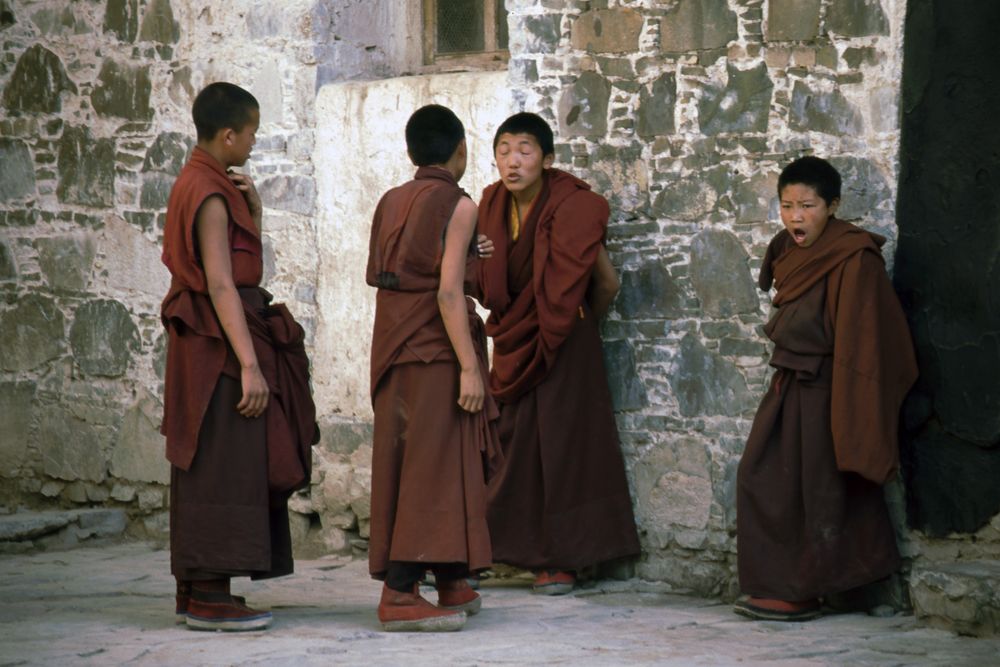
x=811, y=517
x=560, y=501
x=433, y=419
x=237, y=413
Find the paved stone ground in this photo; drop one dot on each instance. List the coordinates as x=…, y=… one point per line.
x=113, y=606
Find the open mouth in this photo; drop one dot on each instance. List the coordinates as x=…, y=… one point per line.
x=799, y=235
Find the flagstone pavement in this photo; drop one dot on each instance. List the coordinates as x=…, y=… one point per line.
x=113, y=605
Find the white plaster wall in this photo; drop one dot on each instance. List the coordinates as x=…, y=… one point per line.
x=360, y=153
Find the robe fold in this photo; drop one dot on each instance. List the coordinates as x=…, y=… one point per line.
x=811, y=516
x=430, y=457
x=561, y=499
x=224, y=523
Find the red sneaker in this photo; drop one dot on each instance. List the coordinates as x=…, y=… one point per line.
x=220, y=611
x=457, y=595
x=409, y=612
x=552, y=582
x=183, y=598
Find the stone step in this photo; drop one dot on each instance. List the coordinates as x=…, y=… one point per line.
x=58, y=529
x=962, y=596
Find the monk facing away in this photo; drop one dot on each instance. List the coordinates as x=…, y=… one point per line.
x=560, y=501
x=811, y=516
x=434, y=431
x=238, y=417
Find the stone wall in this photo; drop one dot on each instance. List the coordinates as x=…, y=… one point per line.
x=683, y=113
x=94, y=120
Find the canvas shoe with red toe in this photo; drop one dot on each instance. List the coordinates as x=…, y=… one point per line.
x=552, y=582
x=409, y=612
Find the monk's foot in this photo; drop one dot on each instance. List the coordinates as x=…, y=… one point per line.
x=183, y=598
x=409, y=612
x=457, y=595
x=216, y=610
x=766, y=609
x=552, y=582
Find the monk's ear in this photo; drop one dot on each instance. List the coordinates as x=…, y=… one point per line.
x=834, y=203
x=227, y=135
x=548, y=161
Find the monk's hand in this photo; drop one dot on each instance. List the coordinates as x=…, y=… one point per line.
x=244, y=184
x=484, y=246
x=471, y=392
x=255, y=392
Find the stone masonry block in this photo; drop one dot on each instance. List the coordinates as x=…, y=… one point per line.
x=792, y=20
x=696, y=25
x=32, y=333
x=608, y=31
x=38, y=82
x=583, y=106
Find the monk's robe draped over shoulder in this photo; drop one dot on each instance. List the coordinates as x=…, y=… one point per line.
x=429, y=455
x=561, y=500
x=529, y=325
x=198, y=352
x=873, y=360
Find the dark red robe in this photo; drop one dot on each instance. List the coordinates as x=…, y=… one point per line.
x=811, y=515
x=231, y=475
x=429, y=455
x=561, y=499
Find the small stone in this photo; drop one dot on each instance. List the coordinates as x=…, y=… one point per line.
x=97, y=494
x=627, y=390
x=103, y=337
x=75, y=492
x=882, y=611
x=155, y=191
x=86, y=169
x=792, y=20
x=296, y=194
x=18, y=182
x=8, y=263
x=139, y=446
x=157, y=525
x=32, y=333
x=38, y=82
x=60, y=21
x=649, y=292
x=150, y=499
x=655, y=114
x=66, y=261
x=698, y=25
x=720, y=273
x=121, y=17
x=815, y=111
x=741, y=106
x=123, y=90
x=168, y=153
x=856, y=18
x=16, y=413
x=608, y=31
x=706, y=384
x=541, y=33
x=864, y=188
x=158, y=24
x=52, y=489
x=123, y=493
x=7, y=18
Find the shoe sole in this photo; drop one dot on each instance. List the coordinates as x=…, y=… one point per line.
x=553, y=589
x=449, y=623
x=471, y=607
x=761, y=614
x=229, y=625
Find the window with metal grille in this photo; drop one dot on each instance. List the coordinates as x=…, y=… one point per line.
x=465, y=31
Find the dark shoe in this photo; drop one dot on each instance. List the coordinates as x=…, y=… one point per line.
x=551, y=582
x=409, y=612
x=221, y=611
x=457, y=595
x=763, y=609
x=183, y=598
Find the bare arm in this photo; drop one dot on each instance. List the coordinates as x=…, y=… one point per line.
x=604, y=284
x=451, y=302
x=211, y=226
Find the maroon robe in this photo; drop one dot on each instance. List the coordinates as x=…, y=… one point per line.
x=811, y=515
x=428, y=459
x=561, y=499
x=231, y=475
